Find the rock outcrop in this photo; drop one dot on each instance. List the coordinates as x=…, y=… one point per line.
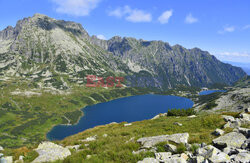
x=218, y=132
x=91, y=138
x=6, y=159
x=170, y=148
x=148, y=160
x=231, y=147
x=235, y=100
x=148, y=142
x=232, y=139
x=49, y=152
x=177, y=123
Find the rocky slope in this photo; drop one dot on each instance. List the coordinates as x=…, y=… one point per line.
x=158, y=64
x=57, y=53
x=44, y=50
x=237, y=99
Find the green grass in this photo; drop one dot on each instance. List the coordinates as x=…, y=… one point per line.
x=73, y=117
x=116, y=147
x=209, y=98
x=194, y=148
x=233, y=114
x=181, y=148
x=30, y=156
x=181, y=112
x=26, y=120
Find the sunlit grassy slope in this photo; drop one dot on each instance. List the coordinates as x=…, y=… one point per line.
x=121, y=140
x=25, y=120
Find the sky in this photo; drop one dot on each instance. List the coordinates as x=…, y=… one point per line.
x=221, y=27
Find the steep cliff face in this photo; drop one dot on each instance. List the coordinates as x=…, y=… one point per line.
x=40, y=49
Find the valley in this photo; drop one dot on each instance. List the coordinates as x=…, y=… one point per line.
x=44, y=65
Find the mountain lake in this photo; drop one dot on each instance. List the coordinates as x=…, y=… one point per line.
x=129, y=109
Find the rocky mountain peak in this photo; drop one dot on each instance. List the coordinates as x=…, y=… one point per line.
x=40, y=32
x=7, y=33
x=38, y=15
x=116, y=39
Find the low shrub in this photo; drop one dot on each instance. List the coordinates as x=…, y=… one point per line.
x=210, y=105
x=194, y=148
x=161, y=146
x=181, y=112
x=181, y=148
x=30, y=156
x=233, y=114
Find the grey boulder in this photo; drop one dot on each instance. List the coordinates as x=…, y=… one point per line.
x=228, y=118
x=244, y=131
x=148, y=160
x=49, y=152
x=198, y=159
x=232, y=139
x=175, y=159
x=219, y=157
x=161, y=156
x=230, y=151
x=170, y=148
x=6, y=159
x=218, y=132
x=177, y=123
x=246, y=144
x=242, y=157
x=149, y=142
x=245, y=116
x=233, y=124
x=179, y=138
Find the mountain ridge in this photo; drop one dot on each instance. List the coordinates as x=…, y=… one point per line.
x=43, y=45
x=125, y=47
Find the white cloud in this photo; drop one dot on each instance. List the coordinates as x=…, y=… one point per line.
x=227, y=29
x=139, y=16
x=190, y=19
x=76, y=7
x=102, y=37
x=163, y=19
x=246, y=26
x=243, y=57
x=120, y=12
x=132, y=15
x=117, y=13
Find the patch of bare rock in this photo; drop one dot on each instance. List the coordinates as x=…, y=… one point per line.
x=230, y=147
x=49, y=152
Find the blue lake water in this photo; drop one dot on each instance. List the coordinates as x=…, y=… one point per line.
x=210, y=91
x=129, y=109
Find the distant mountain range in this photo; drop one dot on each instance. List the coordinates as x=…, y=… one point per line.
x=244, y=66
x=57, y=53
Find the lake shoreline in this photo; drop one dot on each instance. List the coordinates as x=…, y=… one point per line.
x=146, y=113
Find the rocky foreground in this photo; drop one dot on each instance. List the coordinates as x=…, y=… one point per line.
x=231, y=147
